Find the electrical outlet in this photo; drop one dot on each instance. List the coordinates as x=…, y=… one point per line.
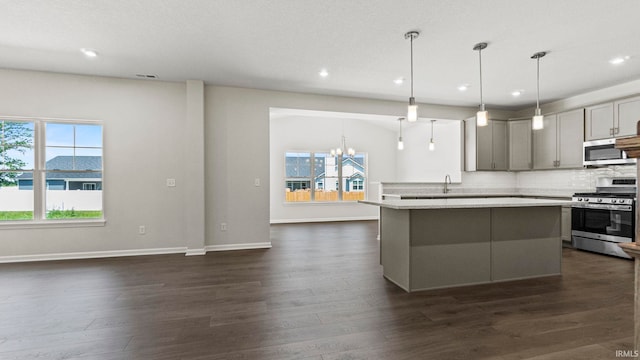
x=142, y=230
x=171, y=182
x=223, y=226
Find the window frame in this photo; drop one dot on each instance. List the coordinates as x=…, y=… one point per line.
x=340, y=179
x=39, y=172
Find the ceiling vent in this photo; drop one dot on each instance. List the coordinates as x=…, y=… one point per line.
x=147, y=76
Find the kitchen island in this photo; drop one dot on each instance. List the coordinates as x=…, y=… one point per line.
x=437, y=243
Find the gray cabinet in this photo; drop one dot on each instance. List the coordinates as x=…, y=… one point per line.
x=626, y=114
x=520, y=145
x=559, y=143
x=545, y=144
x=614, y=119
x=599, y=121
x=565, y=224
x=486, y=146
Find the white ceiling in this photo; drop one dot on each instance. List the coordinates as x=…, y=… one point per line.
x=282, y=44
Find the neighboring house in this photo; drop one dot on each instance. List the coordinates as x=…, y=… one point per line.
x=68, y=180
x=326, y=173
x=352, y=173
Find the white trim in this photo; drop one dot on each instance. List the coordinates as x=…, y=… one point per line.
x=193, y=252
x=91, y=254
x=51, y=224
x=330, y=219
x=247, y=246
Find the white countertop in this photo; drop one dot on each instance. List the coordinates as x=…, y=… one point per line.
x=461, y=203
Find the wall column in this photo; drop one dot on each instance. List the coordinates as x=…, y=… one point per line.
x=631, y=145
x=194, y=180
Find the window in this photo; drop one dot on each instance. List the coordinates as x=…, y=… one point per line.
x=50, y=169
x=331, y=178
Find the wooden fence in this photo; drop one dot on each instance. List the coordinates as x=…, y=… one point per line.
x=321, y=195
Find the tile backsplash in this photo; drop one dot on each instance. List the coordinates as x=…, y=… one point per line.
x=542, y=182
x=576, y=179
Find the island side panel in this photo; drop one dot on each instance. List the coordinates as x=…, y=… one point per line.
x=526, y=242
x=450, y=247
x=394, y=246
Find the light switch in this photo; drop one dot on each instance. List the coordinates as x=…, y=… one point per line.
x=256, y=182
x=171, y=182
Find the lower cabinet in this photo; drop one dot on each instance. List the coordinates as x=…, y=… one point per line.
x=565, y=224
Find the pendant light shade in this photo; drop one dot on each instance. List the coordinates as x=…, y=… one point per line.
x=432, y=145
x=482, y=116
x=400, y=142
x=537, y=122
x=412, y=109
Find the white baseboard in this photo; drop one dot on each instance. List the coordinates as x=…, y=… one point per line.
x=248, y=246
x=91, y=254
x=309, y=220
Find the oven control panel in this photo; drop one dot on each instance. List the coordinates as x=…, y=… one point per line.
x=602, y=200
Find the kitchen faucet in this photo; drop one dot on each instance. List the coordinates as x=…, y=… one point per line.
x=446, y=188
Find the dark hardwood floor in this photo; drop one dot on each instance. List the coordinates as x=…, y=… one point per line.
x=317, y=294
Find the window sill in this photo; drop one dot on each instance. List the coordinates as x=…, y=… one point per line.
x=346, y=202
x=51, y=224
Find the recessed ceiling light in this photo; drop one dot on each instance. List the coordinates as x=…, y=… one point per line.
x=618, y=60
x=517, y=93
x=463, y=87
x=398, y=81
x=89, y=52
x=324, y=73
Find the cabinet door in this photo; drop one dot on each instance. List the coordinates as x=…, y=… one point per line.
x=599, y=121
x=570, y=138
x=484, y=144
x=545, y=144
x=626, y=115
x=500, y=145
x=520, y=145
x=565, y=224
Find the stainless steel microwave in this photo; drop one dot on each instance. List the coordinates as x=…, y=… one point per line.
x=604, y=152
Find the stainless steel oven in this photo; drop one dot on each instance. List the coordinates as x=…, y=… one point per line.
x=601, y=220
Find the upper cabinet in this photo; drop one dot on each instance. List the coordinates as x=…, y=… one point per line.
x=626, y=114
x=559, y=143
x=614, y=119
x=486, y=146
x=520, y=145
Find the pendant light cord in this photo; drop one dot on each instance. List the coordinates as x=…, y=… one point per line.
x=412, y=65
x=480, y=57
x=432, y=121
x=538, y=83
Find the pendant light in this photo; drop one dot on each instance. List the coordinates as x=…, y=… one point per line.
x=412, y=110
x=482, y=116
x=343, y=149
x=538, y=120
x=432, y=145
x=400, y=142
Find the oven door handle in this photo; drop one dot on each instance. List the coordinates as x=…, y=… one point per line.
x=603, y=207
